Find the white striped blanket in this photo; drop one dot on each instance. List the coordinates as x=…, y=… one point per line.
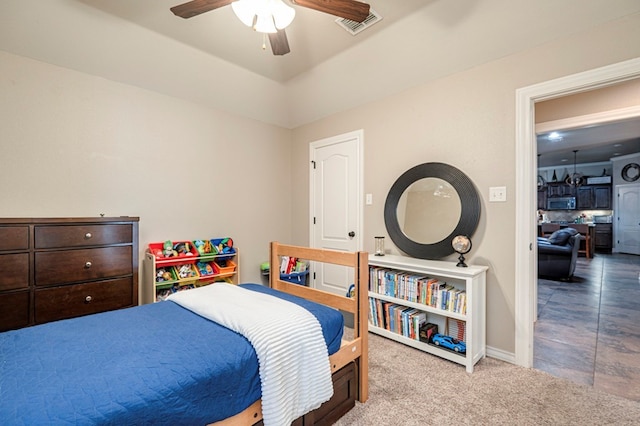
x=294, y=367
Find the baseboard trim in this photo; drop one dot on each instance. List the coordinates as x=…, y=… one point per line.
x=509, y=357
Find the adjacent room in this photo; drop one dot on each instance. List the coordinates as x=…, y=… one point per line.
x=206, y=146
x=587, y=146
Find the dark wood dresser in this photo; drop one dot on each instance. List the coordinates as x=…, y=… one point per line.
x=57, y=268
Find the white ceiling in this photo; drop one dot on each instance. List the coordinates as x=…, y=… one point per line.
x=595, y=143
x=216, y=61
x=313, y=37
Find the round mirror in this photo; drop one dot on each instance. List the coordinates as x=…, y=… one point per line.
x=428, y=200
x=428, y=206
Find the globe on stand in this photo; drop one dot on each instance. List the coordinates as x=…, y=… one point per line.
x=461, y=244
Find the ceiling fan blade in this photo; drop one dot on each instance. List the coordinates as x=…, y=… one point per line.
x=196, y=7
x=349, y=9
x=279, y=43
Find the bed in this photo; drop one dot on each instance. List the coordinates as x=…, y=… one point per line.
x=164, y=364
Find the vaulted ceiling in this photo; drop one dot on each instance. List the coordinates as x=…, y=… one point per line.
x=213, y=59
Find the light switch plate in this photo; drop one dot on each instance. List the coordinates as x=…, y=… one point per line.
x=369, y=199
x=497, y=194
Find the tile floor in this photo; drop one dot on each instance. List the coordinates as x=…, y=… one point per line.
x=588, y=330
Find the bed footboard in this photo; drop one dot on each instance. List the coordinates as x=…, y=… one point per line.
x=356, y=349
x=349, y=366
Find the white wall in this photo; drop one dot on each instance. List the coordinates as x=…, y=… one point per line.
x=467, y=120
x=77, y=145
x=619, y=163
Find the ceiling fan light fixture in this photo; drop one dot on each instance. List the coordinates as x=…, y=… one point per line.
x=264, y=24
x=245, y=11
x=282, y=14
x=265, y=16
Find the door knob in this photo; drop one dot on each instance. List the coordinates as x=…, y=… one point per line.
x=352, y=234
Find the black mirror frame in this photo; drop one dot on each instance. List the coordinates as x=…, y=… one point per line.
x=469, y=215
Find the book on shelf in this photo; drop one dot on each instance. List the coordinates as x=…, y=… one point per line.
x=290, y=265
x=457, y=329
x=397, y=318
x=416, y=288
x=417, y=321
x=407, y=322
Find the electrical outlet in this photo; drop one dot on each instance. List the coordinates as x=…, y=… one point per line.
x=369, y=199
x=497, y=194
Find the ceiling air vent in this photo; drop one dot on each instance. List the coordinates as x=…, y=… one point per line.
x=353, y=27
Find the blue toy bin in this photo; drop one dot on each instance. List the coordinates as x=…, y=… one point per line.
x=296, y=277
x=224, y=246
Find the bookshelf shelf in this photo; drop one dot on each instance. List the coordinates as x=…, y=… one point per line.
x=402, y=282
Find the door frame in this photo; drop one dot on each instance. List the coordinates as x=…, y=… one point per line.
x=526, y=176
x=358, y=135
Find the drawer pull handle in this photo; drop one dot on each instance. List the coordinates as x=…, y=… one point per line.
x=87, y=235
x=88, y=299
x=87, y=265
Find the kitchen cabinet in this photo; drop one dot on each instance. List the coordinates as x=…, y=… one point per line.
x=542, y=199
x=593, y=197
x=560, y=190
x=603, y=236
x=601, y=197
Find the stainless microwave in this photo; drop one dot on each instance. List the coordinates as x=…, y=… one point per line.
x=561, y=203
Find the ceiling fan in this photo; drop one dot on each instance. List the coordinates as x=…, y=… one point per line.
x=348, y=9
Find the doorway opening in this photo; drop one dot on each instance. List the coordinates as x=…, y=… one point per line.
x=526, y=197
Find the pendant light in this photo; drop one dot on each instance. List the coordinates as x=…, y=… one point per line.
x=576, y=178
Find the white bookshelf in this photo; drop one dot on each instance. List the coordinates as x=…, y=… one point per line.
x=471, y=279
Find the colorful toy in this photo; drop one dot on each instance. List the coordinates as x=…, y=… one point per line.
x=185, y=271
x=168, y=249
x=183, y=249
x=163, y=294
x=204, y=268
x=224, y=246
x=205, y=247
x=163, y=275
x=449, y=343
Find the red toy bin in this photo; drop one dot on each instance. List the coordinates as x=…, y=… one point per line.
x=206, y=269
x=157, y=250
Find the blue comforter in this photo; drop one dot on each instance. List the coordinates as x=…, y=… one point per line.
x=152, y=364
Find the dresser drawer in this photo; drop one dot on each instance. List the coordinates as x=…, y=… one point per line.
x=69, y=266
x=70, y=301
x=14, y=271
x=14, y=237
x=14, y=310
x=63, y=236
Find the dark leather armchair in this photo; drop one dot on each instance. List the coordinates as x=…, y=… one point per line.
x=558, y=254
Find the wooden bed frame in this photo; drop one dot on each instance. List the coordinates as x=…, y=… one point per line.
x=349, y=365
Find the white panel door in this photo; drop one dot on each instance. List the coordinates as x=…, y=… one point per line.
x=627, y=232
x=335, y=206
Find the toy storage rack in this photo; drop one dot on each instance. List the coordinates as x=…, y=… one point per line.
x=151, y=288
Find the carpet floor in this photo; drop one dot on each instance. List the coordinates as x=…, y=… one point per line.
x=410, y=387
